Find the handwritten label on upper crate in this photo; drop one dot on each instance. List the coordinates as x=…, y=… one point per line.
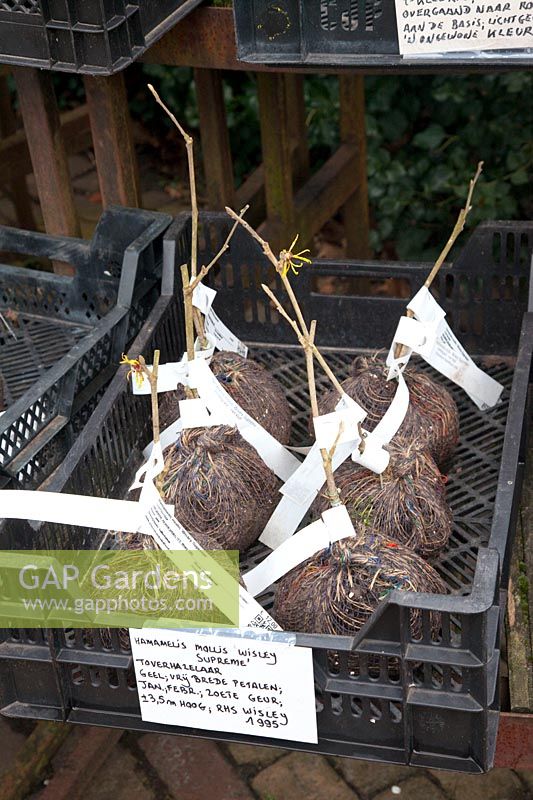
x=442, y=26
x=224, y=683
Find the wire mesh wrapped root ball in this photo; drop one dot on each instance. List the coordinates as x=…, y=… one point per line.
x=407, y=501
x=251, y=386
x=338, y=589
x=222, y=490
x=434, y=404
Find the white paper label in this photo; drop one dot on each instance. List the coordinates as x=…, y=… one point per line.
x=223, y=338
x=203, y=297
x=218, y=401
x=334, y=525
x=336, y=427
x=443, y=26
x=171, y=535
x=194, y=414
x=299, y=492
x=218, y=333
x=439, y=346
x=168, y=377
x=219, y=683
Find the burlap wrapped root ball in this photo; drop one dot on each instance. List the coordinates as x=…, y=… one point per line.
x=407, y=501
x=338, y=589
x=222, y=490
x=251, y=386
x=432, y=418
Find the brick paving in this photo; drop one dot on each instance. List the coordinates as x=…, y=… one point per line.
x=161, y=767
x=150, y=766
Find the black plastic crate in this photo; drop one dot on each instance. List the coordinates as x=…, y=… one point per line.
x=70, y=332
x=342, y=33
x=97, y=37
x=381, y=695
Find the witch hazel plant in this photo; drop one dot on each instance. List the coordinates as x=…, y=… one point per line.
x=257, y=392
x=333, y=574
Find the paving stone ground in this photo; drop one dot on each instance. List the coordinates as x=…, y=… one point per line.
x=160, y=767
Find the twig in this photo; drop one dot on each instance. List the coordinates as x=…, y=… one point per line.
x=278, y=264
x=204, y=270
x=9, y=329
x=152, y=375
x=189, y=144
x=189, y=321
x=458, y=229
x=401, y=349
x=307, y=341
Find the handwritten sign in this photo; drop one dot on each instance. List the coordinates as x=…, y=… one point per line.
x=441, y=26
x=224, y=683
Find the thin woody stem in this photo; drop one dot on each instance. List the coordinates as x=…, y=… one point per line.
x=197, y=315
x=152, y=376
x=401, y=349
x=189, y=145
x=189, y=321
x=327, y=455
x=204, y=270
x=458, y=229
x=316, y=352
x=307, y=340
x=267, y=250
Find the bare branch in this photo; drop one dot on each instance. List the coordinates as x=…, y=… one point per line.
x=152, y=376
x=267, y=250
x=458, y=229
x=204, y=270
x=189, y=144
x=401, y=349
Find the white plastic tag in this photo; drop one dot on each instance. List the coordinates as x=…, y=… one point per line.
x=339, y=426
x=171, y=535
x=168, y=377
x=334, y=525
x=299, y=492
x=221, y=335
x=156, y=520
x=374, y=456
x=145, y=476
x=218, y=401
x=437, y=345
x=218, y=333
x=203, y=297
x=194, y=413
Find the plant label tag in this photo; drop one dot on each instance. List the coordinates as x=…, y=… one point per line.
x=218, y=401
x=170, y=534
x=168, y=377
x=224, y=683
x=446, y=26
x=339, y=426
x=203, y=297
x=221, y=335
x=439, y=346
x=194, y=414
x=334, y=526
x=299, y=491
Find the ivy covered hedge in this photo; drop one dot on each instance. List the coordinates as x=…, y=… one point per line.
x=425, y=135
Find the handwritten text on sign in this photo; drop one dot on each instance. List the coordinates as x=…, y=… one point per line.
x=239, y=685
x=440, y=26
